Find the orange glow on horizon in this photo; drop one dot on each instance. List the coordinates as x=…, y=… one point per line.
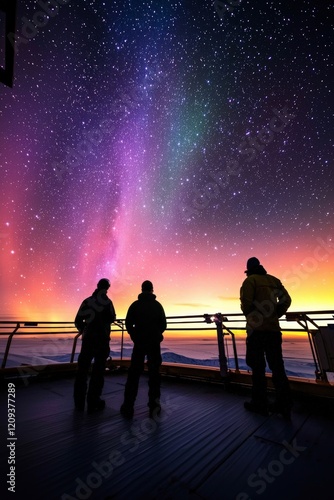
x=210, y=286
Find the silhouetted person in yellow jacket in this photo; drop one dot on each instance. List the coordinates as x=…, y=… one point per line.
x=263, y=301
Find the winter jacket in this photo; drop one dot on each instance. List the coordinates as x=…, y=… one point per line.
x=95, y=316
x=145, y=320
x=263, y=300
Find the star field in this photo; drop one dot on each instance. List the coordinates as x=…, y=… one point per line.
x=168, y=141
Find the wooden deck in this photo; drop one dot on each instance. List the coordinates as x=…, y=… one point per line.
x=204, y=445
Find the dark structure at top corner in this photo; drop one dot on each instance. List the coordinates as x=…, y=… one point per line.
x=8, y=8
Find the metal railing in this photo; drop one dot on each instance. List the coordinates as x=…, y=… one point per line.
x=225, y=326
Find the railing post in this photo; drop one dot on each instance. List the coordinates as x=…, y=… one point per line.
x=9, y=341
x=218, y=319
x=74, y=346
x=235, y=351
x=319, y=373
x=122, y=341
x=299, y=318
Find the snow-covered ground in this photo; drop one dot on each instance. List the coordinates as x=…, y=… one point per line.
x=52, y=349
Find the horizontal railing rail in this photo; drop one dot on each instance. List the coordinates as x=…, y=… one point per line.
x=225, y=325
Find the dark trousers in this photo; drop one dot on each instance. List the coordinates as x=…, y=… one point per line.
x=262, y=346
x=154, y=360
x=99, y=352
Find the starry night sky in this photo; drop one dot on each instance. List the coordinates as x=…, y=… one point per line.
x=170, y=141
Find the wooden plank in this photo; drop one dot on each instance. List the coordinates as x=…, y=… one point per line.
x=204, y=444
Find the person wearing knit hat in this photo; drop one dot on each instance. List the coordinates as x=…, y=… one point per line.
x=252, y=263
x=145, y=323
x=147, y=286
x=93, y=321
x=263, y=301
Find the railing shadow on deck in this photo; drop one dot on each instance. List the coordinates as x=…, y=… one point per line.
x=317, y=326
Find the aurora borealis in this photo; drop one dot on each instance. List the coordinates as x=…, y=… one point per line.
x=169, y=141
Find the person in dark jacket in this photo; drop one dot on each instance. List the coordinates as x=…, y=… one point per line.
x=145, y=322
x=263, y=301
x=93, y=321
